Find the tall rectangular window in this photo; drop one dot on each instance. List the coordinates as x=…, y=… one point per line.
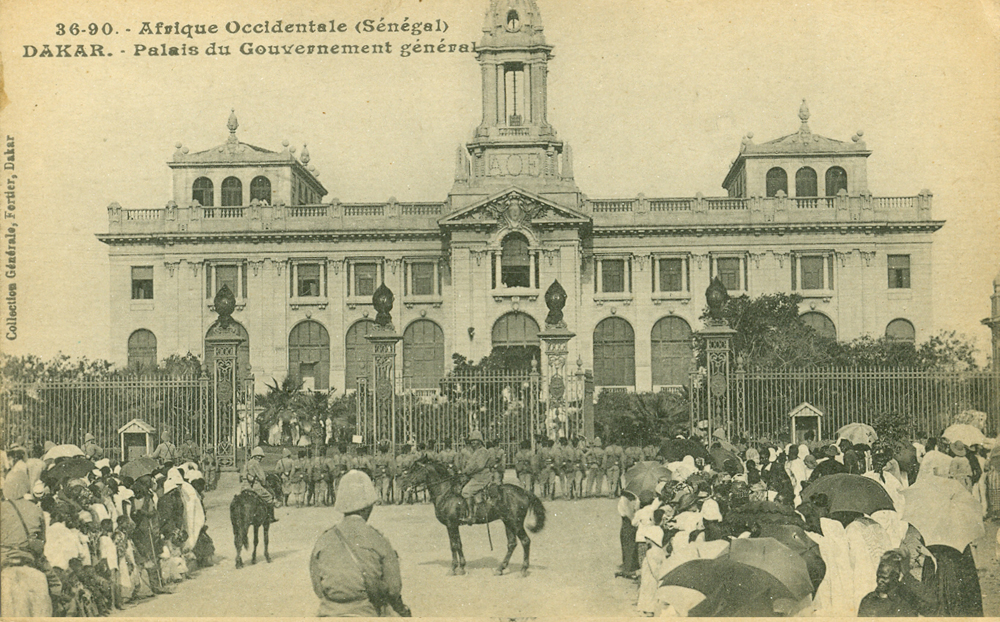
x=309, y=278
x=142, y=282
x=227, y=275
x=671, y=275
x=365, y=279
x=232, y=275
x=899, y=271
x=812, y=272
x=613, y=275
x=728, y=271
x=422, y=279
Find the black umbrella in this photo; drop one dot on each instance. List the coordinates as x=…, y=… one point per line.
x=675, y=449
x=730, y=588
x=851, y=493
x=754, y=515
x=799, y=541
x=69, y=468
x=138, y=467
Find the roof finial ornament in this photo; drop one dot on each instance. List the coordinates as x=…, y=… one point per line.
x=305, y=154
x=232, y=124
x=804, y=117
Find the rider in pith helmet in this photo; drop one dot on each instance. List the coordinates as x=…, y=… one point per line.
x=478, y=469
x=354, y=569
x=255, y=479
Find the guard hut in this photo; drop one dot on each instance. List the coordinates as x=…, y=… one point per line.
x=806, y=418
x=137, y=439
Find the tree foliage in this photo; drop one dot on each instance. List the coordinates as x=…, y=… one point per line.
x=62, y=368
x=770, y=334
x=637, y=418
x=286, y=400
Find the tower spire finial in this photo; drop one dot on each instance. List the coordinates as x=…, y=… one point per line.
x=804, y=117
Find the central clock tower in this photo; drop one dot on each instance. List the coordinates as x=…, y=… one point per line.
x=514, y=145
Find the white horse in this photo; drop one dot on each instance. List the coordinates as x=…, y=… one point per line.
x=24, y=593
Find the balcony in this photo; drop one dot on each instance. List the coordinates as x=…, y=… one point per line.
x=728, y=211
x=339, y=217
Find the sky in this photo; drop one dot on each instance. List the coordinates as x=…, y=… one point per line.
x=653, y=96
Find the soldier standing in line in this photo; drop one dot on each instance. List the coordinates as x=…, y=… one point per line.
x=613, y=460
x=284, y=469
x=524, y=466
x=594, y=462
x=563, y=455
x=579, y=466
x=380, y=475
x=547, y=469
x=404, y=462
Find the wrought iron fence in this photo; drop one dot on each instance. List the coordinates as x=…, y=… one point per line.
x=64, y=412
x=762, y=399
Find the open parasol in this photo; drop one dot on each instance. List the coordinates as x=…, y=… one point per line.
x=645, y=476
x=754, y=515
x=70, y=468
x=968, y=434
x=138, y=467
x=851, y=493
x=798, y=540
x=731, y=588
x=774, y=558
x=62, y=451
x=675, y=449
x=944, y=512
x=858, y=433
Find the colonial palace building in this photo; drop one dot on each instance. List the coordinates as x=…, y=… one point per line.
x=469, y=272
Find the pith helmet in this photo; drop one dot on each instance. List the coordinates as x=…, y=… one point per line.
x=89, y=437
x=355, y=492
x=257, y=452
x=476, y=435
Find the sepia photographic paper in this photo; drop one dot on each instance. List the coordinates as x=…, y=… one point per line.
x=362, y=197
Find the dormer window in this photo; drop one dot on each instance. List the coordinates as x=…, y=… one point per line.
x=805, y=182
x=836, y=180
x=260, y=189
x=777, y=179
x=203, y=191
x=232, y=192
x=513, y=21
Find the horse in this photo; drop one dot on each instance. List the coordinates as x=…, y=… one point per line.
x=507, y=503
x=248, y=509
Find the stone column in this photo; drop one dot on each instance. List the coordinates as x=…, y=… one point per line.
x=383, y=387
x=718, y=348
x=555, y=338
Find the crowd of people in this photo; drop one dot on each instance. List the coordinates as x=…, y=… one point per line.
x=82, y=535
x=873, y=563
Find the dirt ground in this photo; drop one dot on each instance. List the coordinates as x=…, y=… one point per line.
x=572, y=566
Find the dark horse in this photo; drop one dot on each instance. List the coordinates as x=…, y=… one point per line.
x=505, y=502
x=248, y=509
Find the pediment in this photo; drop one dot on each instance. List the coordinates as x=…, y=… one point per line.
x=514, y=208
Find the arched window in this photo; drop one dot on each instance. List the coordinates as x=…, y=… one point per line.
x=672, y=351
x=901, y=330
x=820, y=323
x=614, y=353
x=309, y=355
x=260, y=189
x=423, y=355
x=805, y=182
x=232, y=192
x=515, y=329
x=142, y=351
x=515, y=264
x=358, y=353
x=203, y=192
x=836, y=180
x=777, y=179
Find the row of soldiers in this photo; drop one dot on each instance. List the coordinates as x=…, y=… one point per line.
x=570, y=469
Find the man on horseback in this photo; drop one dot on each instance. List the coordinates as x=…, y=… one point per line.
x=478, y=468
x=255, y=479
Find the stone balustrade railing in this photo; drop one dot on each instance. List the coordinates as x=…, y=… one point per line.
x=605, y=212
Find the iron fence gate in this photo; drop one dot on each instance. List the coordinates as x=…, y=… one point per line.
x=64, y=412
x=760, y=400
